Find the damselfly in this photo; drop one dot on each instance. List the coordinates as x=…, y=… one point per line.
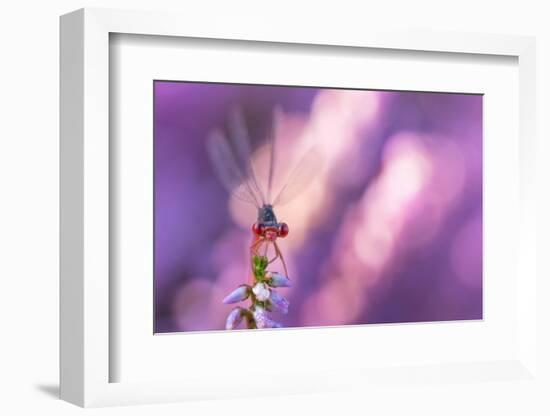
x=231, y=155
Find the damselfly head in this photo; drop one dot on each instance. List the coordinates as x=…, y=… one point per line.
x=270, y=232
x=267, y=225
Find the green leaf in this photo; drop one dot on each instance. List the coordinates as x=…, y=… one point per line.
x=263, y=262
x=259, y=264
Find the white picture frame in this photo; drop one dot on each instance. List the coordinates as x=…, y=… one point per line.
x=86, y=356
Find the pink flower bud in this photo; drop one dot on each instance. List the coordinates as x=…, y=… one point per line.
x=234, y=318
x=239, y=294
x=262, y=319
x=277, y=280
x=279, y=301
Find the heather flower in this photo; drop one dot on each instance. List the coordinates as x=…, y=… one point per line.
x=239, y=294
x=261, y=291
x=234, y=318
x=279, y=301
x=262, y=298
x=275, y=279
x=262, y=319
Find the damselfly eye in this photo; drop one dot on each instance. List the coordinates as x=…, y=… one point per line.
x=257, y=229
x=283, y=229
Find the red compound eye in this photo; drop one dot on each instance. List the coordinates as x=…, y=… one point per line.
x=283, y=230
x=257, y=229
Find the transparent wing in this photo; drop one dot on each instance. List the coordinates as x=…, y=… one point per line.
x=240, y=142
x=232, y=176
x=300, y=177
x=272, y=147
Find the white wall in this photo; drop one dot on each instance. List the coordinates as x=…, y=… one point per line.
x=29, y=192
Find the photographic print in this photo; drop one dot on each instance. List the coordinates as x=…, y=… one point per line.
x=293, y=206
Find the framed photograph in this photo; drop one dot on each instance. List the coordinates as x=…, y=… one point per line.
x=261, y=211
x=370, y=185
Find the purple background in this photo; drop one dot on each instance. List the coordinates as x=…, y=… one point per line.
x=390, y=232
